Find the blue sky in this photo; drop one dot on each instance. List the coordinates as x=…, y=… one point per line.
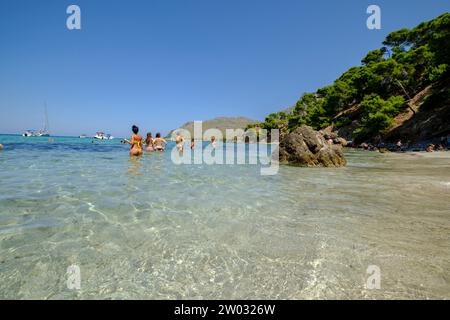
x=160, y=63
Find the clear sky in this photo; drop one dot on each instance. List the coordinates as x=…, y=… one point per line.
x=161, y=63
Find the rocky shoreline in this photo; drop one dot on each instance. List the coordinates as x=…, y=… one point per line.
x=400, y=147
x=306, y=147
x=430, y=145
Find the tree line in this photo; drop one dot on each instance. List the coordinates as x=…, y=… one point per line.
x=381, y=87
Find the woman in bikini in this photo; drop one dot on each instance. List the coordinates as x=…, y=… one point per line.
x=136, y=142
x=159, y=142
x=149, y=142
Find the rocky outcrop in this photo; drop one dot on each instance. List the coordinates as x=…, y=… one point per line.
x=334, y=138
x=306, y=147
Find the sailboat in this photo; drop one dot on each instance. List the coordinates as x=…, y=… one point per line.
x=41, y=133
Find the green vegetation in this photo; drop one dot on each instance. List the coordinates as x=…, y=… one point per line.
x=380, y=88
x=378, y=115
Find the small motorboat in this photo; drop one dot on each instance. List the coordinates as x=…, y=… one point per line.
x=103, y=136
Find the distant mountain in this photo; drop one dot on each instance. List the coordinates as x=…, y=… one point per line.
x=221, y=123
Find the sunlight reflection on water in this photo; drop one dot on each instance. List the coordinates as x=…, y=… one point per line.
x=146, y=228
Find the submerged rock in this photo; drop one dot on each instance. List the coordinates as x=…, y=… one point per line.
x=306, y=147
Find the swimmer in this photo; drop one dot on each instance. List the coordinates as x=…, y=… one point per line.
x=192, y=144
x=149, y=142
x=179, y=140
x=136, y=142
x=1, y=147
x=213, y=142
x=159, y=142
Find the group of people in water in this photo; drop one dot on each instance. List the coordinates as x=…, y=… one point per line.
x=155, y=144
x=138, y=143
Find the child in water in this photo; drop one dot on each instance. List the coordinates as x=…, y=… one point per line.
x=192, y=144
x=149, y=142
x=136, y=142
x=159, y=142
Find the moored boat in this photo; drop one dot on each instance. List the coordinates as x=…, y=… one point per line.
x=41, y=133
x=103, y=136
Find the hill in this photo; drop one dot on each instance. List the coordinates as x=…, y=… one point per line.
x=400, y=91
x=221, y=123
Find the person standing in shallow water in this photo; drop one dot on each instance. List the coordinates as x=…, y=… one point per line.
x=179, y=140
x=213, y=142
x=159, y=142
x=149, y=142
x=136, y=142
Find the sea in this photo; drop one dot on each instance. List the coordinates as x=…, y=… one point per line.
x=80, y=219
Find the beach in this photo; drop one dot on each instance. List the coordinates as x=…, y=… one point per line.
x=145, y=228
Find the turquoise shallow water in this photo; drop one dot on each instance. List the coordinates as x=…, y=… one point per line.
x=149, y=229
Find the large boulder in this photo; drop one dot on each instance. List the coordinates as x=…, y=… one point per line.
x=306, y=147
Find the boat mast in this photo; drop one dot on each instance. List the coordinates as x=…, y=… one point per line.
x=46, y=126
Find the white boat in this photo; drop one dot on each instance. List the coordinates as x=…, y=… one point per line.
x=103, y=136
x=83, y=136
x=41, y=133
x=31, y=133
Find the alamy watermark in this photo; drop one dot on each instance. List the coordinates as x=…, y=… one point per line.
x=374, y=280
x=73, y=21
x=374, y=20
x=73, y=277
x=253, y=146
